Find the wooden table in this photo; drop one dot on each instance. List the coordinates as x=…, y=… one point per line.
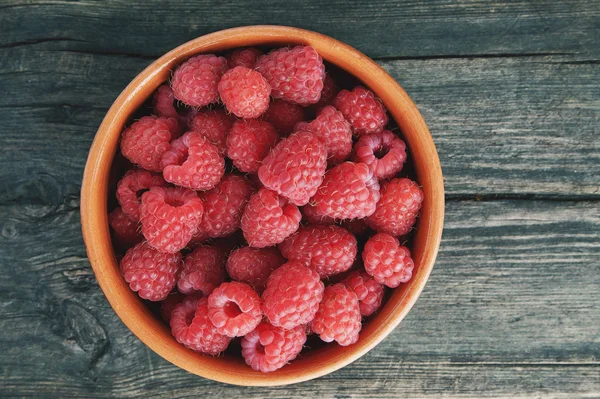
x=511, y=92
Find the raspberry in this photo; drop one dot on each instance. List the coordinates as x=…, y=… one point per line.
x=387, y=261
x=169, y=304
x=170, y=217
x=268, y=220
x=234, y=308
x=369, y=292
x=283, y=116
x=292, y=295
x=244, y=57
x=338, y=317
x=348, y=191
x=195, y=81
x=295, y=74
x=249, y=141
x=253, y=266
x=295, y=167
x=328, y=250
x=163, y=104
x=384, y=153
x=269, y=348
x=131, y=187
x=198, y=238
x=330, y=90
x=244, y=92
x=193, y=162
x=203, y=270
x=398, y=207
x=150, y=273
x=214, y=125
x=191, y=326
x=335, y=131
x=224, y=205
x=312, y=216
x=365, y=112
x=145, y=141
x=125, y=230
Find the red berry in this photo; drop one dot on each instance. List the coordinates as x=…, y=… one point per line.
x=169, y=304
x=330, y=90
x=369, y=292
x=234, y=308
x=195, y=81
x=249, y=141
x=365, y=112
x=163, y=102
x=244, y=92
x=335, y=131
x=384, y=153
x=269, y=348
x=283, y=116
x=398, y=207
x=328, y=250
x=295, y=74
x=338, y=317
x=295, y=167
x=224, y=206
x=203, y=270
x=193, y=162
x=131, y=187
x=125, y=229
x=148, y=139
x=268, y=219
x=253, y=266
x=170, y=217
x=292, y=295
x=348, y=191
x=150, y=273
x=387, y=261
x=191, y=326
x=214, y=125
x=244, y=57
x=312, y=216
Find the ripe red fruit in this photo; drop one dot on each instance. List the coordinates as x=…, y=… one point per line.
x=369, y=292
x=170, y=217
x=348, y=191
x=387, y=261
x=292, y=295
x=150, y=273
x=234, y=308
x=283, y=116
x=131, y=187
x=268, y=219
x=125, y=230
x=244, y=92
x=295, y=167
x=328, y=250
x=163, y=102
x=193, y=162
x=203, y=270
x=269, y=348
x=365, y=112
x=244, y=57
x=397, y=210
x=384, y=153
x=146, y=140
x=294, y=74
x=253, y=266
x=338, y=317
x=249, y=142
x=214, y=125
x=195, y=81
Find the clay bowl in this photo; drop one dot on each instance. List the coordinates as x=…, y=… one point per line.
x=232, y=369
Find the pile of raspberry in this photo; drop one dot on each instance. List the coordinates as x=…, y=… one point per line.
x=263, y=205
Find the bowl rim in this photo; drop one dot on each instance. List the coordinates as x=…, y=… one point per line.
x=94, y=213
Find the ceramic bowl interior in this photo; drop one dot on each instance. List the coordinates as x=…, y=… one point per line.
x=228, y=368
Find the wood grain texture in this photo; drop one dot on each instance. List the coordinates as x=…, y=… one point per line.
x=534, y=121
x=385, y=28
x=510, y=310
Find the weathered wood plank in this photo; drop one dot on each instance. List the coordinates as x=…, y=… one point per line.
x=509, y=311
x=384, y=28
x=525, y=126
